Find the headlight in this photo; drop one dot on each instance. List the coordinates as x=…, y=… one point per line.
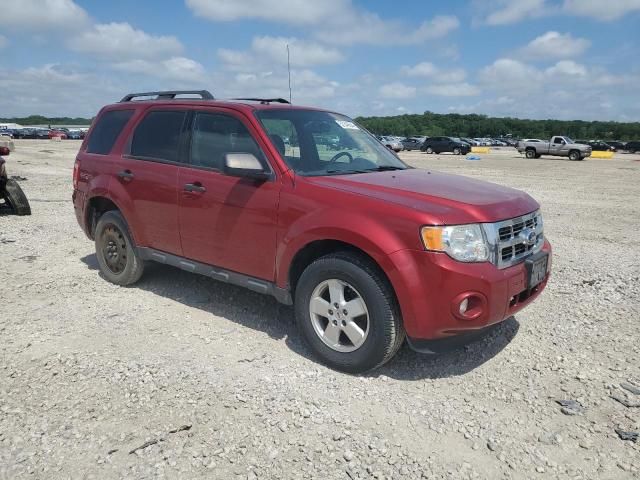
x=465, y=243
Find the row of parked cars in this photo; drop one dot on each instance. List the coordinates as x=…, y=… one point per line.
x=601, y=146
x=462, y=145
x=38, y=133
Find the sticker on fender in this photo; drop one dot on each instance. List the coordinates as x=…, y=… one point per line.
x=347, y=125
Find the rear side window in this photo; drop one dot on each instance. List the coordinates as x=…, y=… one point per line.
x=106, y=131
x=158, y=135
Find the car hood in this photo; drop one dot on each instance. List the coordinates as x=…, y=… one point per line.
x=446, y=199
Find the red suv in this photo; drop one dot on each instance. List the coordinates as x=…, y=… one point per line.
x=305, y=205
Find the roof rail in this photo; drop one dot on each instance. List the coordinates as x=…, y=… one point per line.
x=168, y=95
x=263, y=101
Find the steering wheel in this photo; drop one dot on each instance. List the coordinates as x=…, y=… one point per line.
x=341, y=154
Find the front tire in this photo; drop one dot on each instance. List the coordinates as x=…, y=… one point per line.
x=117, y=254
x=574, y=155
x=429, y=150
x=347, y=313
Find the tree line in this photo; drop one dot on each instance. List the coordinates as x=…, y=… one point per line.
x=473, y=125
x=42, y=120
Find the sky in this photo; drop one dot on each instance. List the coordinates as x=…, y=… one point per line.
x=563, y=59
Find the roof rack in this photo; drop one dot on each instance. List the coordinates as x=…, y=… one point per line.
x=168, y=95
x=264, y=101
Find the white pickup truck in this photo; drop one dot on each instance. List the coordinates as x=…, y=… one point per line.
x=558, y=146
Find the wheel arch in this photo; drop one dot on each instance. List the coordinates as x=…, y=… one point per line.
x=96, y=207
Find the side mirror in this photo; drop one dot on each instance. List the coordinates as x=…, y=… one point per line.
x=244, y=165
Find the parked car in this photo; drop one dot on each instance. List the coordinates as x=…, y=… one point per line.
x=57, y=133
x=599, y=145
x=391, y=143
x=74, y=135
x=558, y=146
x=633, y=146
x=12, y=198
x=353, y=239
x=445, y=144
x=470, y=141
x=619, y=146
x=411, y=143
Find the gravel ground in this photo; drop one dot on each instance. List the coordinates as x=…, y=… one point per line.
x=183, y=377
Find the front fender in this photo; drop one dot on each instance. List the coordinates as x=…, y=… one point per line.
x=362, y=231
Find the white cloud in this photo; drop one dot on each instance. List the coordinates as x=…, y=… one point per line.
x=303, y=53
x=121, y=40
x=436, y=74
x=76, y=92
x=3, y=41
x=511, y=76
x=513, y=11
x=282, y=11
x=453, y=90
x=566, y=68
x=268, y=52
x=179, y=69
x=39, y=15
x=397, y=90
x=333, y=21
x=604, y=10
x=552, y=45
x=308, y=86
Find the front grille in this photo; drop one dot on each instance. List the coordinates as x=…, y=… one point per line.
x=515, y=239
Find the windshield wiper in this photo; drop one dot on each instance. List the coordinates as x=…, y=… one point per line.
x=346, y=172
x=385, y=168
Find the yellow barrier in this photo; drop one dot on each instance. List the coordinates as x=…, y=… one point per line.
x=480, y=149
x=600, y=154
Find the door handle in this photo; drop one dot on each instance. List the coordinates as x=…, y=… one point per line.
x=194, y=187
x=126, y=175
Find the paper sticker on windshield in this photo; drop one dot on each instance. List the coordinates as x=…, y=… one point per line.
x=348, y=125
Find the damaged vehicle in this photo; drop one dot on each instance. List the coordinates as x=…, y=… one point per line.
x=12, y=198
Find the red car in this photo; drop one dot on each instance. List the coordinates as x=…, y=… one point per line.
x=57, y=133
x=368, y=250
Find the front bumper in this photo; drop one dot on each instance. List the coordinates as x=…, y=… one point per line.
x=430, y=286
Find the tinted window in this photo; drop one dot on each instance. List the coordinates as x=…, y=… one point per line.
x=158, y=136
x=106, y=131
x=215, y=135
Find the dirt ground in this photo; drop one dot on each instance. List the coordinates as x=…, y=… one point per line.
x=183, y=377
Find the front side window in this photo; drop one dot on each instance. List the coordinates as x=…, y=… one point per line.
x=158, y=136
x=323, y=143
x=214, y=135
x=106, y=131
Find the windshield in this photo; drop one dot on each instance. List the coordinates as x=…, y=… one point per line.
x=321, y=143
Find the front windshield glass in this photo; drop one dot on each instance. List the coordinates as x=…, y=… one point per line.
x=323, y=143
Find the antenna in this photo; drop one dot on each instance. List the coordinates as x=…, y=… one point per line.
x=289, y=70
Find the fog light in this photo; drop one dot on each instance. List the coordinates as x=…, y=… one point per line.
x=464, y=304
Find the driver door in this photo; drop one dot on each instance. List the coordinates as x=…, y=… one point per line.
x=557, y=146
x=226, y=221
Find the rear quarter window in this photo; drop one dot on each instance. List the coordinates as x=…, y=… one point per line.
x=106, y=131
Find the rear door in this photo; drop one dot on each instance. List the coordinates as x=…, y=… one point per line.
x=147, y=175
x=227, y=221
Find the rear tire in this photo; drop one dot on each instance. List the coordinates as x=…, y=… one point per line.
x=16, y=199
x=356, y=341
x=429, y=150
x=456, y=151
x=117, y=254
x=530, y=153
